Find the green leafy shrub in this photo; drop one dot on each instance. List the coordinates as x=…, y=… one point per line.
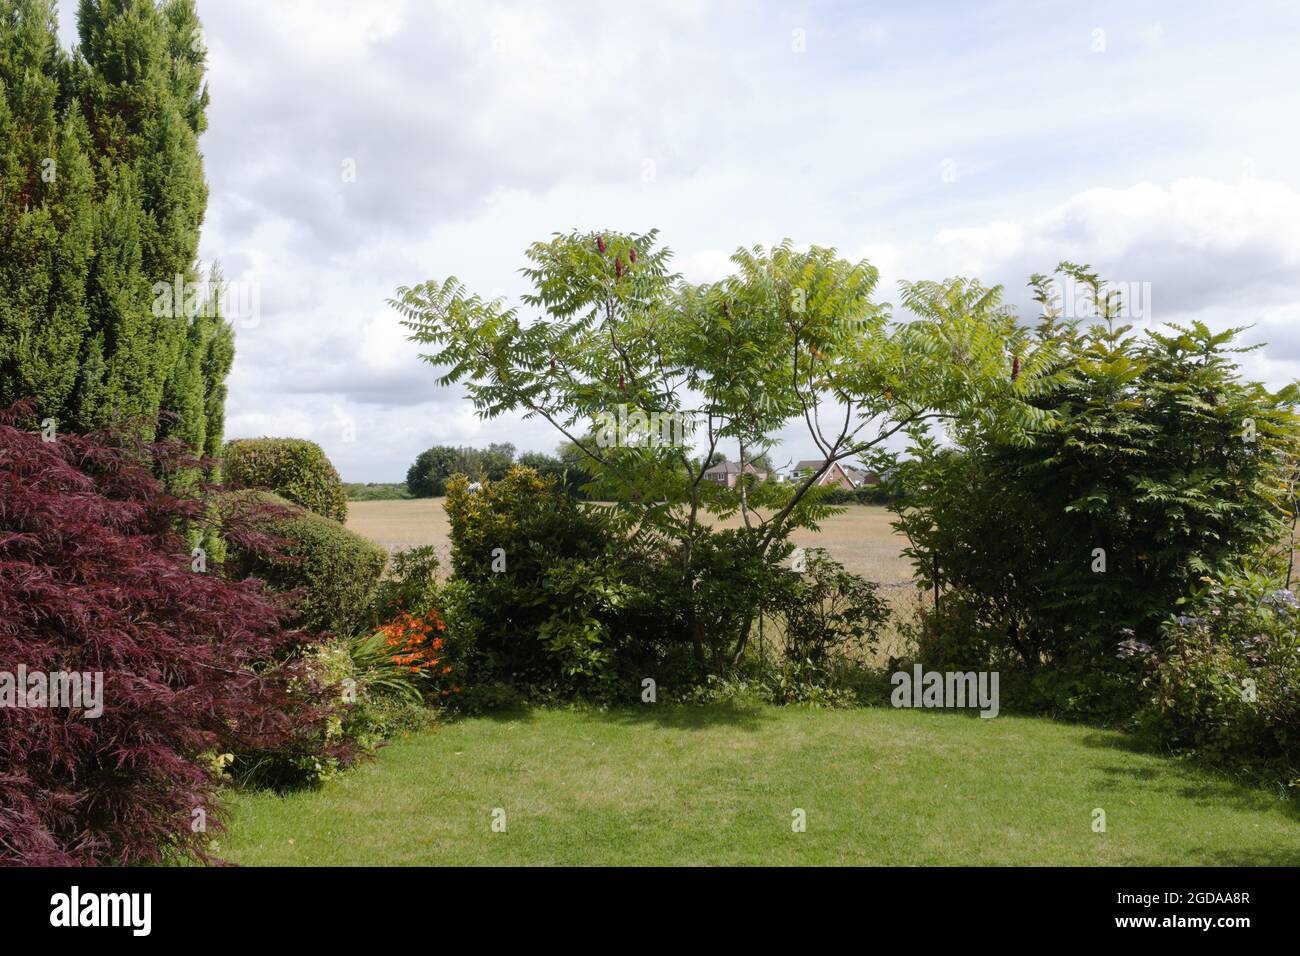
x=538, y=590
x=500, y=696
x=293, y=468
x=409, y=585
x=576, y=606
x=691, y=620
x=731, y=582
x=952, y=638
x=1225, y=681
x=379, y=717
x=567, y=471
x=1156, y=464
x=372, y=704
x=334, y=570
x=826, y=619
x=309, y=760
x=782, y=685
x=878, y=494
x=829, y=612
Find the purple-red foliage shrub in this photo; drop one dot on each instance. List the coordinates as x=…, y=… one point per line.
x=96, y=575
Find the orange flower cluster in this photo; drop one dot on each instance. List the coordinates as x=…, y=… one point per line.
x=416, y=643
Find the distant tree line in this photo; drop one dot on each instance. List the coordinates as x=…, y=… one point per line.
x=427, y=477
x=375, y=491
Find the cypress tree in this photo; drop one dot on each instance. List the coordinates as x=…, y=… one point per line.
x=218, y=355
x=46, y=213
x=83, y=326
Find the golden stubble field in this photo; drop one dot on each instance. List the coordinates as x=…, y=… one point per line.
x=861, y=538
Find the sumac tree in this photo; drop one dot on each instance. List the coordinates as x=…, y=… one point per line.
x=793, y=339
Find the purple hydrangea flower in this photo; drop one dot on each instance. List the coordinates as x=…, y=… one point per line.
x=1134, y=648
x=1282, y=598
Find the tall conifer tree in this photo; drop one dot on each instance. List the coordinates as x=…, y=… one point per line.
x=82, y=326
x=47, y=213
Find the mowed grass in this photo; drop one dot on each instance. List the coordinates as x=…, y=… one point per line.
x=719, y=785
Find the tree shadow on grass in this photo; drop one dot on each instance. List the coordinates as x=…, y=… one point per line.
x=671, y=716
x=514, y=714
x=742, y=716
x=1195, y=781
x=1273, y=856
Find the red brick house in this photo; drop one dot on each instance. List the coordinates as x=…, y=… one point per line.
x=837, y=476
x=726, y=473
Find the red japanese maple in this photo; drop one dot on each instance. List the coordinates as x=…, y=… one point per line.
x=97, y=577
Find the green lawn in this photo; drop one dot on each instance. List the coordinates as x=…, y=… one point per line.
x=718, y=786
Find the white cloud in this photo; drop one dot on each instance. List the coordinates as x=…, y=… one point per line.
x=479, y=128
x=1202, y=244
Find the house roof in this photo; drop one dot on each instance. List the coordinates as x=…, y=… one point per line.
x=855, y=475
x=809, y=464
x=731, y=468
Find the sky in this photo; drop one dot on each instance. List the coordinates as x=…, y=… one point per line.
x=354, y=147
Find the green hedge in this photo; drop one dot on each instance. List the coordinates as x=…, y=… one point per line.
x=376, y=491
x=337, y=569
x=878, y=494
x=293, y=468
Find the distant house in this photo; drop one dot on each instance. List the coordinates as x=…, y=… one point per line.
x=837, y=476
x=726, y=473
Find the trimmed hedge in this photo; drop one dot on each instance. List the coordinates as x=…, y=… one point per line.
x=293, y=468
x=878, y=494
x=376, y=491
x=336, y=569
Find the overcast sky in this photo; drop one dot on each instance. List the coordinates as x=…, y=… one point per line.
x=1157, y=142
